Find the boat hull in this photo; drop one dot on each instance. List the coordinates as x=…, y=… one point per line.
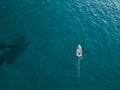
x=79, y=51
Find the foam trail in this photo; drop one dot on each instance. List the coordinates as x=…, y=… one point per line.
x=78, y=68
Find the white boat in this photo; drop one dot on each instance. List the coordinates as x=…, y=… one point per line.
x=79, y=51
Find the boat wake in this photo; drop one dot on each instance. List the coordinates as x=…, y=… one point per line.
x=78, y=67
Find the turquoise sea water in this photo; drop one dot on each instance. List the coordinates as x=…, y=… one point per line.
x=53, y=29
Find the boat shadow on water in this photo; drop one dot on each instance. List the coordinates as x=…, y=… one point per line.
x=9, y=53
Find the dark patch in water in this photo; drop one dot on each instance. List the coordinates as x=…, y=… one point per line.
x=11, y=52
